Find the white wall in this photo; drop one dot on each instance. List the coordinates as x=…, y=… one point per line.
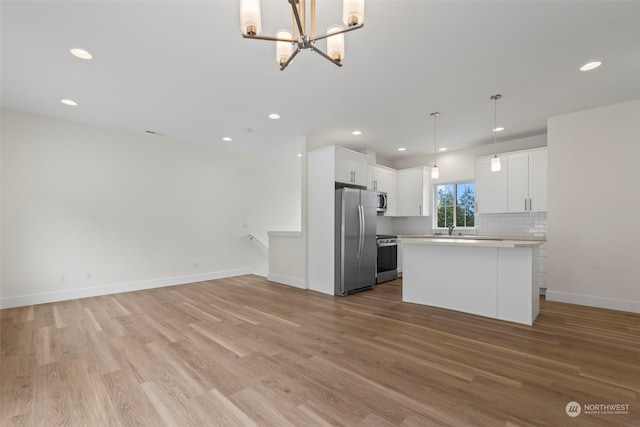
x=134, y=210
x=594, y=206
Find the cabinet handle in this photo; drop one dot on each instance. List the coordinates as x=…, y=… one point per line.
x=530, y=205
x=420, y=209
x=525, y=204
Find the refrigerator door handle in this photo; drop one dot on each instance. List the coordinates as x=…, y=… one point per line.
x=361, y=231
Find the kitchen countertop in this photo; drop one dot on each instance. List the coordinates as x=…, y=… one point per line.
x=487, y=242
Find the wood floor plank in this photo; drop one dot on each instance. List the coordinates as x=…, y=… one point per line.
x=170, y=407
x=52, y=400
x=46, y=345
x=246, y=351
x=217, y=410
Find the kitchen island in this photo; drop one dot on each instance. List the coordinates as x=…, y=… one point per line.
x=491, y=278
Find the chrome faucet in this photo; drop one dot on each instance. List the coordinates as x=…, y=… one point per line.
x=451, y=227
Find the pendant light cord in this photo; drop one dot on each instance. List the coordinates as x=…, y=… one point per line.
x=495, y=121
x=435, y=140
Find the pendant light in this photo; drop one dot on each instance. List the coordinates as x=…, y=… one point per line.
x=435, y=170
x=495, y=161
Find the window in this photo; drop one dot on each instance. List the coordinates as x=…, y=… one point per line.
x=455, y=205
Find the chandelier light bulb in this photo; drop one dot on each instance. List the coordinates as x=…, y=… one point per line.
x=335, y=43
x=250, y=17
x=283, y=49
x=353, y=12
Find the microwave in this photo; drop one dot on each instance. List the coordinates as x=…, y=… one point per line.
x=382, y=202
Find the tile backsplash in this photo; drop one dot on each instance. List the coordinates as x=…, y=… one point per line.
x=512, y=224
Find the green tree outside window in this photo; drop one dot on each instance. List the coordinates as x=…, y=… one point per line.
x=455, y=205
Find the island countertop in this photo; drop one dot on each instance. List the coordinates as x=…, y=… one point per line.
x=481, y=242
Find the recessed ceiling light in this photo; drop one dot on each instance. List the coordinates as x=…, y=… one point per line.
x=69, y=102
x=401, y=149
x=300, y=155
x=356, y=132
x=81, y=53
x=442, y=149
x=226, y=139
x=274, y=116
x=498, y=129
x=590, y=66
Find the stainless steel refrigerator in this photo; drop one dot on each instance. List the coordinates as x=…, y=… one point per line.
x=355, y=239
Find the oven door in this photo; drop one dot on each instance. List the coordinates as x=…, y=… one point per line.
x=387, y=262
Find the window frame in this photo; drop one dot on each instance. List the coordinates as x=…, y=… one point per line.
x=434, y=224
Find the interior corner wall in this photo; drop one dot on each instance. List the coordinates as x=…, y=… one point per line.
x=593, y=207
x=90, y=211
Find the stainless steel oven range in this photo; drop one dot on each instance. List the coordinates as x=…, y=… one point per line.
x=387, y=264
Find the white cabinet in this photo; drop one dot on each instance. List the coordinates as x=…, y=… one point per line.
x=491, y=187
x=375, y=178
x=414, y=192
x=381, y=178
x=350, y=166
x=527, y=183
x=520, y=185
x=391, y=188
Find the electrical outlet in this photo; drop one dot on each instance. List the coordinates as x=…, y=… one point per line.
x=196, y=264
x=89, y=275
x=245, y=224
x=63, y=277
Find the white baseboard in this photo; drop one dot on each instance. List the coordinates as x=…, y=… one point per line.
x=70, y=294
x=594, y=301
x=291, y=281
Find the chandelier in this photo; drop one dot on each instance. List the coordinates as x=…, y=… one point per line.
x=299, y=37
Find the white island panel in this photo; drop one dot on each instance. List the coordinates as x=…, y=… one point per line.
x=518, y=295
x=497, y=279
x=459, y=278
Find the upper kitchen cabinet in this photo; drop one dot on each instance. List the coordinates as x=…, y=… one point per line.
x=527, y=187
x=491, y=187
x=414, y=191
x=384, y=179
x=350, y=166
x=520, y=185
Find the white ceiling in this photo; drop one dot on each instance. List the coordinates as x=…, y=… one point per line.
x=182, y=68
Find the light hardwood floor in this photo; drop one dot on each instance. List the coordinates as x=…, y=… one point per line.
x=244, y=351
